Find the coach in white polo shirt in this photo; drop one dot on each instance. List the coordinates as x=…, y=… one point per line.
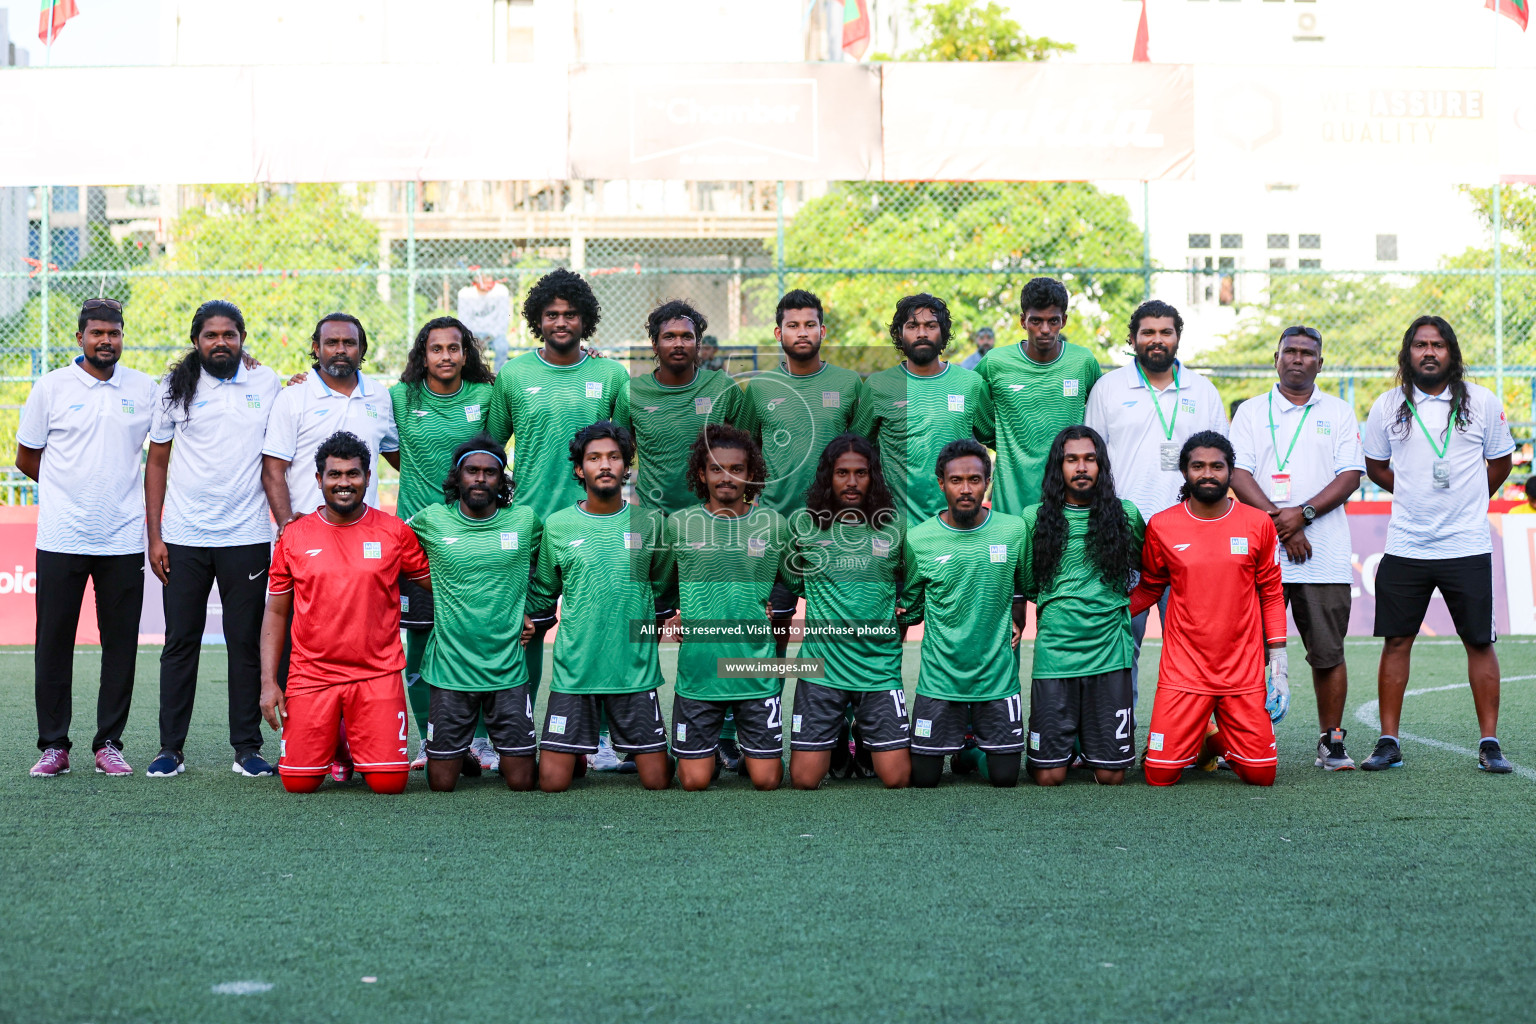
x=208, y=523
x=1441, y=445
x=1145, y=412
x=81, y=436
x=1298, y=459
x=335, y=395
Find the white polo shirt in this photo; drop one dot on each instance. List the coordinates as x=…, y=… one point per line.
x=90, y=491
x=1323, y=440
x=304, y=415
x=1450, y=520
x=213, y=495
x=1120, y=409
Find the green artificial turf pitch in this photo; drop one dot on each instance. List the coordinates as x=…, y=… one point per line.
x=1405, y=895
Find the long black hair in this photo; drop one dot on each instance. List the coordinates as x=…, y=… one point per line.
x=1109, y=534
x=1403, y=425
x=181, y=380
x=714, y=437
x=879, y=507
x=414, y=375
x=910, y=304
x=478, y=443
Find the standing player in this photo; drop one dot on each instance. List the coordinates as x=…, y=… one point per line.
x=480, y=550
x=337, y=573
x=1145, y=412
x=848, y=557
x=442, y=400
x=920, y=405
x=1226, y=615
x=80, y=435
x=1082, y=545
x=1441, y=446
x=543, y=397
x=963, y=568
x=984, y=339
x=207, y=519
x=606, y=557
x=1037, y=387
x=723, y=558
x=1298, y=460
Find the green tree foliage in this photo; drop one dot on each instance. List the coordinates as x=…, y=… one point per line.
x=967, y=30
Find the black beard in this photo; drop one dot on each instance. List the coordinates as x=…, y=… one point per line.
x=477, y=500
x=925, y=359
x=1425, y=381
x=566, y=349
x=605, y=493
x=1156, y=363
x=1207, y=494
x=222, y=367
x=343, y=510
x=99, y=363
x=965, y=518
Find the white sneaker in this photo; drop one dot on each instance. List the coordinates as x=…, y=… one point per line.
x=420, y=763
x=605, y=760
x=481, y=748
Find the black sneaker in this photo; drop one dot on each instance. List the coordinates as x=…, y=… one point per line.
x=1331, y=755
x=1386, y=755
x=728, y=754
x=1491, y=759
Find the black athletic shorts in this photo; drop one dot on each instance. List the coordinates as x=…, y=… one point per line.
x=1404, y=587
x=571, y=722
x=452, y=715
x=1096, y=710
x=938, y=726
x=415, y=605
x=819, y=714
x=782, y=601
x=759, y=726
x=1321, y=611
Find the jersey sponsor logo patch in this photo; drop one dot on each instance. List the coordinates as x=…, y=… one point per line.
x=1034, y=741
x=471, y=413
x=405, y=603
x=924, y=728
x=682, y=732
x=370, y=411
x=373, y=549
x=631, y=542
x=312, y=552
x=1187, y=404
x=1324, y=428
x=253, y=401
x=795, y=724
x=941, y=559
x=509, y=541
x=1239, y=545
x=880, y=547
x=594, y=389
x=1070, y=388
x=557, y=725
x=128, y=405
x=831, y=400
x=757, y=547
x=1155, y=741
x=957, y=403
x=703, y=405
x=999, y=552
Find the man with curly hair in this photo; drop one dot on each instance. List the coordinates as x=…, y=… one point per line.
x=724, y=557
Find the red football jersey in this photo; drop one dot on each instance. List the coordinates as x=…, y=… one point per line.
x=346, y=595
x=1226, y=601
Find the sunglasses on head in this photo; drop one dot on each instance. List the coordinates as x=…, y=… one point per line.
x=102, y=304
x=1310, y=332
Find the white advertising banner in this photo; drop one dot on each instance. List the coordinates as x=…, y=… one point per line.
x=1520, y=571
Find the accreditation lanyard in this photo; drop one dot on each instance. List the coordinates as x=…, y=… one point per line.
x=1168, y=451
x=1280, y=483
x=1441, y=467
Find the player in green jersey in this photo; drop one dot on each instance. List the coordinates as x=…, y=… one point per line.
x=608, y=560
x=792, y=412
x=918, y=406
x=442, y=399
x=963, y=568
x=848, y=560
x=667, y=407
x=1037, y=387
x=481, y=550
x=724, y=557
x=1082, y=546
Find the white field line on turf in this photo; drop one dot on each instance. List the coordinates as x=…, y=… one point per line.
x=1368, y=713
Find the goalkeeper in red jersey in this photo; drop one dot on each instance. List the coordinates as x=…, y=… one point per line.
x=1226, y=619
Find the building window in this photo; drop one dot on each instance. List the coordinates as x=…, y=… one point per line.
x=1278, y=241
x=1309, y=241
x=1199, y=241
x=1277, y=263
x=1386, y=248
x=1310, y=264
x=1231, y=241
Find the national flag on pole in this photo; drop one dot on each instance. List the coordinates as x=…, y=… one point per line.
x=1139, y=51
x=51, y=21
x=855, y=27
x=1518, y=11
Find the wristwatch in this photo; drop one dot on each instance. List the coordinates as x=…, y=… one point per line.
x=1308, y=513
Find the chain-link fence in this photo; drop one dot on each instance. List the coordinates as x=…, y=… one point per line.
x=396, y=254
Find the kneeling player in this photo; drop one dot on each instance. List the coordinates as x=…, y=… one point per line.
x=848, y=562
x=962, y=569
x=1082, y=546
x=480, y=549
x=605, y=556
x=338, y=571
x=1226, y=607
x=726, y=555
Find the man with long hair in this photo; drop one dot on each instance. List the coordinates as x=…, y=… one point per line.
x=1224, y=641
x=1441, y=445
x=441, y=401
x=481, y=551
x=207, y=520
x=848, y=548
x=1082, y=545
x=724, y=556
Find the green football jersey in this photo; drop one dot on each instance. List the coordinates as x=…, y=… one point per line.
x=724, y=568
x=793, y=418
x=479, y=588
x=849, y=574
x=610, y=570
x=962, y=582
x=1082, y=625
x=1032, y=402
x=912, y=418
x=541, y=407
x=666, y=421
x=431, y=426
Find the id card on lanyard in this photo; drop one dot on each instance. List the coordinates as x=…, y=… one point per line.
x=1280, y=482
x=1440, y=468
x=1168, y=448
